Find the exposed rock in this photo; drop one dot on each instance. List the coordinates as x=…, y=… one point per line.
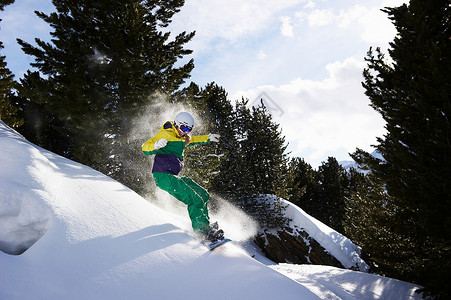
x=296, y=247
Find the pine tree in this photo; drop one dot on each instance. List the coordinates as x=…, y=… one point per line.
x=105, y=61
x=330, y=197
x=322, y=193
x=220, y=116
x=303, y=186
x=41, y=126
x=413, y=96
x=7, y=84
x=8, y=108
x=265, y=150
x=260, y=163
x=369, y=217
x=233, y=181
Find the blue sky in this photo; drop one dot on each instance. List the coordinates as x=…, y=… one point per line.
x=306, y=56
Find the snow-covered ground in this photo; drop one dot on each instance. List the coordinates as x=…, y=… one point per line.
x=334, y=242
x=93, y=238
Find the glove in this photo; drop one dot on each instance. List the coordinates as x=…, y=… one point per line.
x=160, y=144
x=214, y=137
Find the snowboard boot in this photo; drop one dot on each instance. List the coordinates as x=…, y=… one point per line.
x=214, y=225
x=214, y=234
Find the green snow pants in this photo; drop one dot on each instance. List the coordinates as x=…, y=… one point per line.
x=190, y=193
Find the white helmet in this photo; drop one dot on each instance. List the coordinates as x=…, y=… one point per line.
x=184, y=121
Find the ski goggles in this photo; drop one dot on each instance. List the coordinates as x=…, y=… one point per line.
x=185, y=129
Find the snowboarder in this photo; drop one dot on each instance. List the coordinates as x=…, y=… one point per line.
x=168, y=145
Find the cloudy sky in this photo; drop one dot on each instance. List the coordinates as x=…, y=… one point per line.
x=303, y=57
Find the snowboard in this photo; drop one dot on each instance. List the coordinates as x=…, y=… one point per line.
x=216, y=244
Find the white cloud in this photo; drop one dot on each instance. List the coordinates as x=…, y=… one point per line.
x=320, y=17
x=330, y=117
x=373, y=23
x=286, y=28
x=393, y=3
x=310, y=4
x=261, y=55
x=228, y=20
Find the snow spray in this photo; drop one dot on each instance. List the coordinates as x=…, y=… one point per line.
x=145, y=125
x=237, y=225
x=159, y=111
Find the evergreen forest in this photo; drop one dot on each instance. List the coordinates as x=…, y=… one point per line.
x=99, y=89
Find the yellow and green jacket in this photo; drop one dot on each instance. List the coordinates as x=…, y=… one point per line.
x=169, y=159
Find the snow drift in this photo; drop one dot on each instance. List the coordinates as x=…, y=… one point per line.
x=24, y=214
x=337, y=244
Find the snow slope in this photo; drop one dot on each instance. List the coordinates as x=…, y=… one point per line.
x=333, y=284
x=93, y=238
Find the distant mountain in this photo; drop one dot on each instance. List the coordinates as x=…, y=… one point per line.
x=348, y=164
